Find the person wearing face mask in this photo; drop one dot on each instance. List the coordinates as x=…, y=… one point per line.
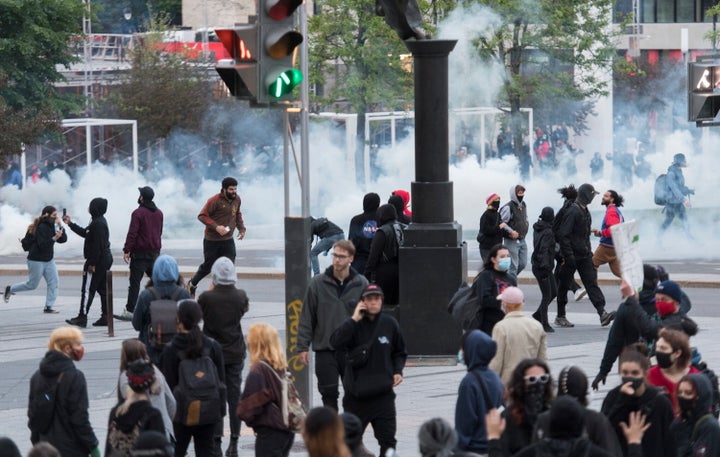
x=543, y=261
x=530, y=392
x=696, y=431
x=492, y=226
x=634, y=395
x=673, y=355
x=69, y=430
x=668, y=298
x=514, y=214
x=573, y=235
x=489, y=283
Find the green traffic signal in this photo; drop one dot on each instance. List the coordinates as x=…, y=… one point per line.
x=285, y=83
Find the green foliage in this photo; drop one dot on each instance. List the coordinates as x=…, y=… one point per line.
x=34, y=38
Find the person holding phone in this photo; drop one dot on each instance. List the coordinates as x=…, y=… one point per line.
x=46, y=230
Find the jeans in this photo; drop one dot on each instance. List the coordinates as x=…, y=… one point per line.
x=671, y=211
x=213, y=250
x=270, y=442
x=140, y=265
x=378, y=411
x=328, y=369
x=37, y=269
x=323, y=245
x=518, y=255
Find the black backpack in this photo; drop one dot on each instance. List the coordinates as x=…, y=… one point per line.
x=199, y=392
x=41, y=409
x=394, y=238
x=27, y=241
x=661, y=191
x=463, y=307
x=163, y=317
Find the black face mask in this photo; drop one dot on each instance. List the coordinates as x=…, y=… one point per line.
x=520, y=198
x=687, y=405
x=495, y=204
x=636, y=382
x=663, y=359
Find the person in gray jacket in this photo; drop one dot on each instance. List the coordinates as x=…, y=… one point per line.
x=330, y=299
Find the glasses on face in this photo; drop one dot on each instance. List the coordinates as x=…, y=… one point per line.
x=534, y=379
x=340, y=256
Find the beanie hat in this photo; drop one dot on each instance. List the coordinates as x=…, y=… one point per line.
x=491, y=198
x=353, y=430
x=147, y=193
x=586, y=193
x=437, y=438
x=671, y=289
x=512, y=295
x=140, y=374
x=547, y=214
x=152, y=443
x=573, y=382
x=223, y=272
x=567, y=418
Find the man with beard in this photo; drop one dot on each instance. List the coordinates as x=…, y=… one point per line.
x=142, y=245
x=221, y=216
x=574, y=237
x=605, y=252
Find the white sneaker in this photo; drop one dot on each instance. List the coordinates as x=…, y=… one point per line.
x=580, y=294
x=125, y=316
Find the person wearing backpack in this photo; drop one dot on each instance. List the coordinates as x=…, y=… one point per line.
x=163, y=284
x=328, y=233
x=58, y=401
x=696, y=431
x=223, y=308
x=676, y=194
x=514, y=215
x=46, y=230
x=189, y=363
x=491, y=228
x=260, y=405
x=382, y=266
x=135, y=414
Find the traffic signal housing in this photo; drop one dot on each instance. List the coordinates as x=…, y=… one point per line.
x=240, y=74
x=704, y=91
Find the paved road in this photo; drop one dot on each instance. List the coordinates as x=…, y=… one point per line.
x=427, y=391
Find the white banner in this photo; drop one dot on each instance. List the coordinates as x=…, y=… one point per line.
x=625, y=237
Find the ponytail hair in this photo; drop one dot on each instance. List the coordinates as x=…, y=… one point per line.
x=189, y=315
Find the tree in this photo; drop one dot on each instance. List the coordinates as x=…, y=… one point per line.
x=34, y=41
x=555, y=54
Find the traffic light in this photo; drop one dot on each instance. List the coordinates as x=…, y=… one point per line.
x=240, y=74
x=703, y=91
x=277, y=41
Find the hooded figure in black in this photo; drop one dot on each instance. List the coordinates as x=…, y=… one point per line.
x=382, y=265
x=696, y=431
x=362, y=230
x=399, y=205
x=98, y=260
x=543, y=261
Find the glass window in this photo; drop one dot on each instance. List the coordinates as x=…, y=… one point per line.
x=665, y=11
x=647, y=11
x=685, y=11
x=705, y=5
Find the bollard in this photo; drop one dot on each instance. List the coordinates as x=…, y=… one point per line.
x=109, y=310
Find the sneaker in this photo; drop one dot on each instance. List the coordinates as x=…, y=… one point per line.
x=102, y=322
x=50, y=311
x=126, y=316
x=580, y=294
x=563, y=322
x=606, y=318
x=6, y=297
x=191, y=288
x=548, y=329
x=80, y=321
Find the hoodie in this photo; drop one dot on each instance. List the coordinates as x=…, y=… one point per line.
x=96, y=248
x=399, y=205
x=43, y=249
x=362, y=230
x=697, y=432
x=514, y=214
x=405, y=195
x=471, y=407
x=144, y=235
x=543, y=256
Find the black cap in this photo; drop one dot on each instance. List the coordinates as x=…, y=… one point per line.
x=372, y=289
x=147, y=193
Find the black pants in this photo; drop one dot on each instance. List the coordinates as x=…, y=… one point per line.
x=140, y=264
x=378, y=411
x=573, y=286
x=233, y=379
x=548, y=289
x=213, y=250
x=202, y=436
x=329, y=367
x=588, y=276
x=270, y=442
x=98, y=284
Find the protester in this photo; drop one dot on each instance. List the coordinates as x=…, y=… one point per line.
x=518, y=336
x=543, y=261
x=677, y=192
x=405, y=195
x=98, y=260
x=605, y=252
x=382, y=266
x=668, y=303
x=221, y=216
x=663, y=275
x=634, y=395
x=159, y=393
x=489, y=284
x=223, y=307
x=362, y=230
x=480, y=390
x=261, y=399
x=569, y=194
x=190, y=343
x=492, y=227
x=696, y=431
x=437, y=438
x=69, y=429
x=399, y=204
x=514, y=214
x=324, y=434
x=353, y=433
x=143, y=243
x=8, y=448
x=328, y=233
x=44, y=232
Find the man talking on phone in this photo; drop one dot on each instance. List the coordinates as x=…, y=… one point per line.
x=375, y=360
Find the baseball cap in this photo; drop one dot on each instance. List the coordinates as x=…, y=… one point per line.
x=512, y=295
x=372, y=289
x=147, y=192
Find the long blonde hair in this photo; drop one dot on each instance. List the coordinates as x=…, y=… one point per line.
x=264, y=344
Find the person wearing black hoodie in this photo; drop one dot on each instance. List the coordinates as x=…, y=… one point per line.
x=45, y=231
x=543, y=261
x=573, y=235
x=98, y=260
x=382, y=266
x=399, y=204
x=696, y=431
x=362, y=230
x=491, y=228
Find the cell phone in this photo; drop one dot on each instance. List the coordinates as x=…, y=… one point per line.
x=64, y=212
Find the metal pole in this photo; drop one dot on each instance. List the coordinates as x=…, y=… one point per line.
x=305, y=99
x=286, y=161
